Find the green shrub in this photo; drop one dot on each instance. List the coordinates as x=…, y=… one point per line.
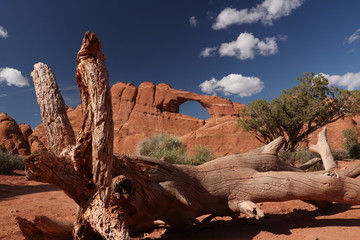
x=10, y=162
x=172, y=150
x=351, y=143
x=287, y=157
x=339, y=154
x=299, y=157
x=202, y=155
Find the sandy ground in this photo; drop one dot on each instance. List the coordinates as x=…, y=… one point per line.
x=288, y=220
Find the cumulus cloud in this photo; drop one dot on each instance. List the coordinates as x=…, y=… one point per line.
x=13, y=77
x=351, y=81
x=353, y=37
x=233, y=84
x=3, y=32
x=209, y=51
x=265, y=12
x=246, y=46
x=193, y=21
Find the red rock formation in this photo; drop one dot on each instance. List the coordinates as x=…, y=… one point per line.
x=140, y=112
x=335, y=131
x=11, y=136
x=26, y=131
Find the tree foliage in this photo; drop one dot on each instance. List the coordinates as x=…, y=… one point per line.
x=299, y=111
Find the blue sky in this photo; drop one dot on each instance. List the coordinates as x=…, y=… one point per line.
x=242, y=50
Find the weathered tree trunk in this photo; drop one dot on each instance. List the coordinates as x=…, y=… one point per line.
x=120, y=194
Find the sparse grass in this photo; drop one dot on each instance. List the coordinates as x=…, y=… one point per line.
x=170, y=149
x=10, y=162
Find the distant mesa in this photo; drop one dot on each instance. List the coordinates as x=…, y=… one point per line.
x=140, y=112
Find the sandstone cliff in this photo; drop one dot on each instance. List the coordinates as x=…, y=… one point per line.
x=140, y=112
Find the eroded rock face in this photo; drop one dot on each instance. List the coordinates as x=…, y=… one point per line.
x=12, y=137
x=335, y=131
x=140, y=112
x=26, y=131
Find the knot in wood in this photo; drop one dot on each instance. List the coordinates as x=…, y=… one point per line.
x=122, y=187
x=331, y=174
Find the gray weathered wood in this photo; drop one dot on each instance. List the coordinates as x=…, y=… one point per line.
x=58, y=129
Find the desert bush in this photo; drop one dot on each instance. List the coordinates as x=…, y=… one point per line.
x=171, y=149
x=351, y=143
x=164, y=146
x=339, y=154
x=10, y=162
x=202, y=155
x=299, y=157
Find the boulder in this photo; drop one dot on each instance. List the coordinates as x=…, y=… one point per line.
x=11, y=136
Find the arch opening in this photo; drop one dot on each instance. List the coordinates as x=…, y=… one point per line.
x=194, y=109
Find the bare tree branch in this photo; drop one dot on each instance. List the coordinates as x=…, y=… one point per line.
x=59, y=132
x=95, y=143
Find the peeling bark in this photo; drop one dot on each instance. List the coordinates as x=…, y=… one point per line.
x=95, y=149
x=120, y=194
x=58, y=129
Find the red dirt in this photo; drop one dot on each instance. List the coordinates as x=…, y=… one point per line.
x=288, y=220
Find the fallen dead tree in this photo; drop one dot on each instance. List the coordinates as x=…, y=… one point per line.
x=118, y=194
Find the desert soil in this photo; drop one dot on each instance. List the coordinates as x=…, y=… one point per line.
x=288, y=220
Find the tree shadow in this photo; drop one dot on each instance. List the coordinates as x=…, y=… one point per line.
x=8, y=192
x=278, y=224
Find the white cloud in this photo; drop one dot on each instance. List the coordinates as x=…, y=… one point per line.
x=3, y=32
x=233, y=84
x=193, y=21
x=209, y=51
x=351, y=81
x=353, y=37
x=3, y=95
x=13, y=77
x=246, y=46
x=265, y=12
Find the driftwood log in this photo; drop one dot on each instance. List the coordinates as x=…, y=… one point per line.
x=118, y=194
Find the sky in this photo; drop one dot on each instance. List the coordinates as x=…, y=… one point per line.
x=242, y=50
